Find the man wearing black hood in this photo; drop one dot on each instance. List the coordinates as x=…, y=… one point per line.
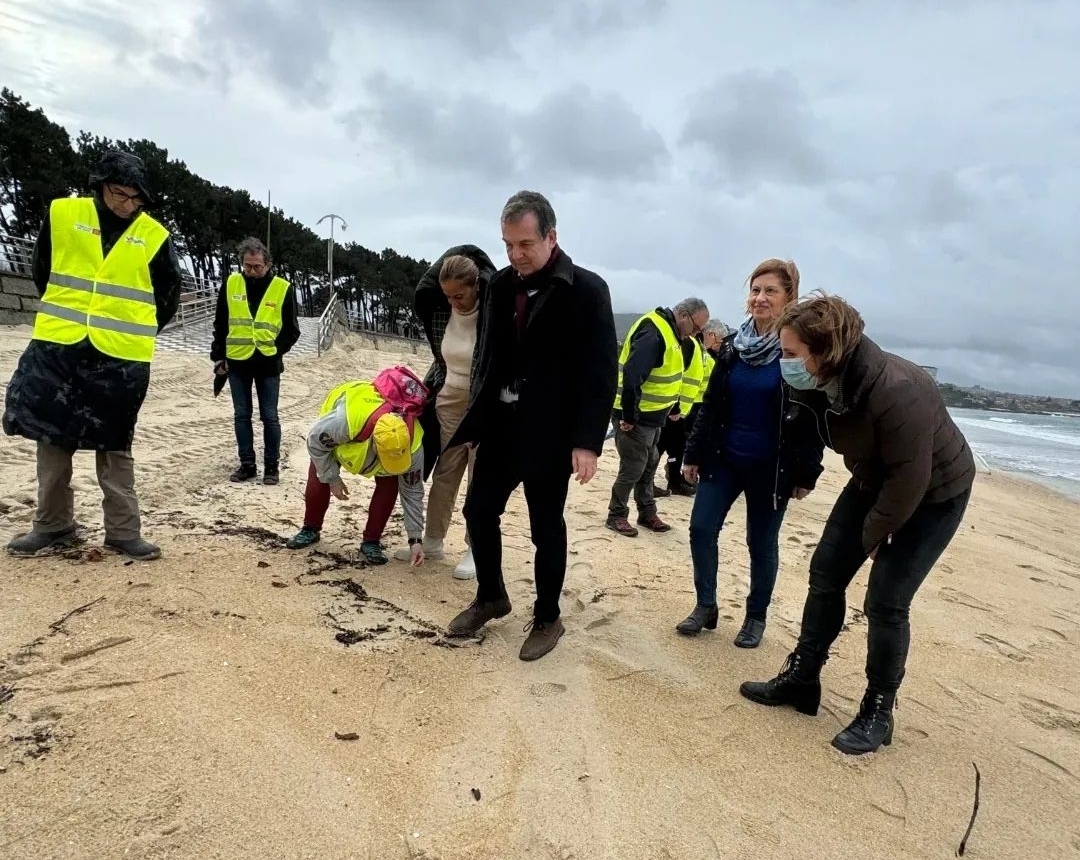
x=256, y=323
x=109, y=281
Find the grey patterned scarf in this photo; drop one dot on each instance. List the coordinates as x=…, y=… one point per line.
x=755, y=349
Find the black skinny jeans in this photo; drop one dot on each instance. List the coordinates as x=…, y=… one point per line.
x=898, y=570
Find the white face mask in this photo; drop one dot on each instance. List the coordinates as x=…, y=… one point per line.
x=796, y=375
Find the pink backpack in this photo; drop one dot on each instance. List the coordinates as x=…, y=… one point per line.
x=404, y=394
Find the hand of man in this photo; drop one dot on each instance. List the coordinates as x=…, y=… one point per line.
x=417, y=553
x=221, y=367
x=800, y=493
x=690, y=473
x=674, y=416
x=584, y=464
x=339, y=490
x=626, y=427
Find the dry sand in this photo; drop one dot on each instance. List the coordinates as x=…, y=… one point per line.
x=190, y=710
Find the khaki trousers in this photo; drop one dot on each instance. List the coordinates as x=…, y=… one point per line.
x=56, y=501
x=446, y=478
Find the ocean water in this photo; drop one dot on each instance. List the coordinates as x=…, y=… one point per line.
x=1043, y=447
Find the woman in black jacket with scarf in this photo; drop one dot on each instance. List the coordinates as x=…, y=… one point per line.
x=448, y=303
x=749, y=439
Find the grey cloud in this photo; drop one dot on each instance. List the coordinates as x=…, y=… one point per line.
x=588, y=20
x=572, y=134
x=757, y=127
x=579, y=132
x=179, y=68
x=459, y=133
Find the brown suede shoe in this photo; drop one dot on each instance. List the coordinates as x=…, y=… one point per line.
x=622, y=526
x=543, y=637
x=476, y=615
x=653, y=524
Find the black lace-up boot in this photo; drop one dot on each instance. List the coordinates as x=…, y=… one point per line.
x=872, y=727
x=798, y=685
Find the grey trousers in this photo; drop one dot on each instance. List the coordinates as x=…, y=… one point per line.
x=638, y=459
x=56, y=501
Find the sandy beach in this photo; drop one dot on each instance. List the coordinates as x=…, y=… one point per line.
x=188, y=708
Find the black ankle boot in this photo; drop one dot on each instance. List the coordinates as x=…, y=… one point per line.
x=872, y=727
x=701, y=617
x=798, y=685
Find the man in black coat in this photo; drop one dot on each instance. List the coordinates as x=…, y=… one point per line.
x=540, y=408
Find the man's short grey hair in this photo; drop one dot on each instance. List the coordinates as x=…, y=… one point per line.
x=524, y=202
x=717, y=327
x=251, y=245
x=691, y=306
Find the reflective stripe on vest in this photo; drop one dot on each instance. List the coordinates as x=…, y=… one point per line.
x=709, y=363
x=660, y=390
x=361, y=400
x=108, y=299
x=691, y=381
x=246, y=334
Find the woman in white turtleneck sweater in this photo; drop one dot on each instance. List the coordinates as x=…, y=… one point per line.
x=453, y=349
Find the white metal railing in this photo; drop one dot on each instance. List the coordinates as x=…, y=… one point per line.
x=332, y=317
x=16, y=254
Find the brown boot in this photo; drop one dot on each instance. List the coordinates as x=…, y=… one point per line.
x=543, y=637
x=476, y=615
x=622, y=526
x=653, y=523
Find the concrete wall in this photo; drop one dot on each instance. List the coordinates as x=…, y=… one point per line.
x=18, y=300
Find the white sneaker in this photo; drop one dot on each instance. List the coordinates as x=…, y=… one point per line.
x=466, y=568
x=433, y=551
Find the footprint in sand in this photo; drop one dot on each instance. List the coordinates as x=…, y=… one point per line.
x=1004, y=648
x=546, y=689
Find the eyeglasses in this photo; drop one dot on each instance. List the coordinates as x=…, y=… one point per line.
x=123, y=196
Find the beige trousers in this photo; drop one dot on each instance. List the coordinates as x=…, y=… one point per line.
x=446, y=478
x=56, y=501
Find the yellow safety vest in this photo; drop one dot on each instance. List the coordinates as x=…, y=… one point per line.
x=661, y=388
x=108, y=299
x=361, y=400
x=709, y=363
x=692, y=376
x=247, y=333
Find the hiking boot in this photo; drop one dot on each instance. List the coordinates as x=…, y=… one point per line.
x=303, y=538
x=373, y=552
x=798, y=685
x=653, y=523
x=622, y=526
x=433, y=551
x=872, y=728
x=466, y=568
x=750, y=634
x=683, y=488
x=661, y=492
x=270, y=475
x=245, y=473
x=136, y=548
x=476, y=615
x=33, y=543
x=702, y=617
x=543, y=637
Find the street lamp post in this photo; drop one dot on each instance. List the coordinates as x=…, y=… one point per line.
x=330, y=245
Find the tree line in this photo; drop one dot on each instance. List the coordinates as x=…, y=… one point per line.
x=39, y=162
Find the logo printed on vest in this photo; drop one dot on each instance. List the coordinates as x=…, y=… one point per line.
x=86, y=228
x=134, y=240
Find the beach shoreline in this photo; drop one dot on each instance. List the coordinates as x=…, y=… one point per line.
x=195, y=706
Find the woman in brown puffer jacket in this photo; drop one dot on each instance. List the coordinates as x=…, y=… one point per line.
x=911, y=477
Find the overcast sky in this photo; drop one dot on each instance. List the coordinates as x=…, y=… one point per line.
x=924, y=164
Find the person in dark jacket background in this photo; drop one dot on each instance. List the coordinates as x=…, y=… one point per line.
x=539, y=410
x=750, y=440
x=911, y=478
x=657, y=353
x=237, y=351
x=449, y=303
x=72, y=395
x=673, y=436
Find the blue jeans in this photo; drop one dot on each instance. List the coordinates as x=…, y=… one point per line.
x=266, y=388
x=716, y=493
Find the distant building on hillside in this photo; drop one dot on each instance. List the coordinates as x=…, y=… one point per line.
x=931, y=370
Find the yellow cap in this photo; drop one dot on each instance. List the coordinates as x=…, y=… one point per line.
x=392, y=443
